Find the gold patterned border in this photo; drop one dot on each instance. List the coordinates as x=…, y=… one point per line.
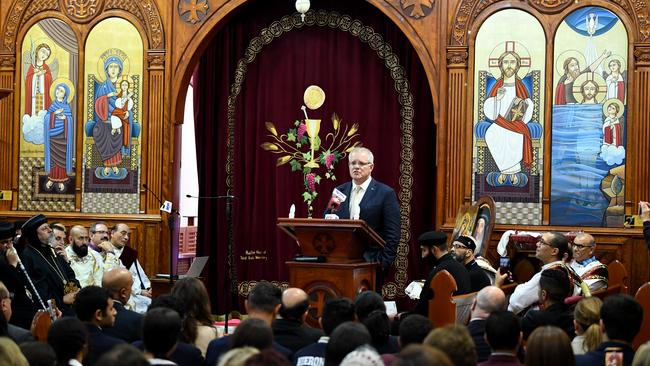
x=366, y=34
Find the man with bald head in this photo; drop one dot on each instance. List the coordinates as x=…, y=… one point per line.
x=118, y=282
x=590, y=269
x=88, y=265
x=289, y=328
x=487, y=301
x=128, y=258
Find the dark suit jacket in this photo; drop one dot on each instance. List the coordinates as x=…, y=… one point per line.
x=501, y=360
x=294, y=335
x=98, y=343
x=597, y=357
x=456, y=270
x=127, y=324
x=557, y=314
x=477, y=276
x=476, y=329
x=184, y=354
x=380, y=210
x=19, y=335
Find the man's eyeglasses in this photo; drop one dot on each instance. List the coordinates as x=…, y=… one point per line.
x=359, y=163
x=542, y=242
x=580, y=246
x=459, y=246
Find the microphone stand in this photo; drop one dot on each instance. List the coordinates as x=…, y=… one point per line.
x=170, y=224
x=230, y=281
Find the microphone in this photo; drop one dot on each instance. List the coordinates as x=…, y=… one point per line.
x=160, y=202
x=227, y=196
x=335, y=202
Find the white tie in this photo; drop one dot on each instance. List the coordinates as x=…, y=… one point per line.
x=355, y=210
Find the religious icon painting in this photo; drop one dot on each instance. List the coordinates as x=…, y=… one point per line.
x=509, y=115
x=589, y=109
x=113, y=115
x=48, y=62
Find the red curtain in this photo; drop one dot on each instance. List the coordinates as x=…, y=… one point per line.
x=358, y=87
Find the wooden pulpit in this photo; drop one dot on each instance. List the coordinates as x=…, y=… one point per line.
x=344, y=272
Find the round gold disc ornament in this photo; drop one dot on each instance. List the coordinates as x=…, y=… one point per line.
x=314, y=97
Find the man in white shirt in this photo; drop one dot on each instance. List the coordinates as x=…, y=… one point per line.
x=590, y=269
x=128, y=258
x=88, y=265
x=551, y=248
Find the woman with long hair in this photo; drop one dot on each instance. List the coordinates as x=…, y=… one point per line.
x=197, y=324
x=587, y=325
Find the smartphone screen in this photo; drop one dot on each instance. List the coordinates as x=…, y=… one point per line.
x=504, y=262
x=613, y=357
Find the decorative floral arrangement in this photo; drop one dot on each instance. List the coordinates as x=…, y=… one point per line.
x=305, y=152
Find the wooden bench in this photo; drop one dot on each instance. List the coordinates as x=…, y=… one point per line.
x=643, y=297
x=444, y=308
x=617, y=283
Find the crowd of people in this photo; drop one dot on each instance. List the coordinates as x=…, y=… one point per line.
x=105, y=314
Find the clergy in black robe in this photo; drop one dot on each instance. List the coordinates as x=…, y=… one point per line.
x=51, y=274
x=24, y=303
x=433, y=245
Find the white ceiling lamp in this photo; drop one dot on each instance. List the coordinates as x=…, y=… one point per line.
x=302, y=6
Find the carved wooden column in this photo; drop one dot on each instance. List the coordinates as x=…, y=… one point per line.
x=638, y=172
x=459, y=153
x=7, y=65
x=153, y=148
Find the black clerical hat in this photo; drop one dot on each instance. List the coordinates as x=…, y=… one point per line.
x=467, y=241
x=6, y=230
x=430, y=238
x=30, y=226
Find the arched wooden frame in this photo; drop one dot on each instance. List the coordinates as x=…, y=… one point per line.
x=145, y=16
x=614, y=243
x=464, y=66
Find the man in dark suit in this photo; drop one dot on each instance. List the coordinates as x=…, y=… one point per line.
x=94, y=307
x=433, y=245
x=289, y=329
x=503, y=333
x=118, y=282
x=487, y=301
x=620, y=319
x=17, y=334
x=373, y=202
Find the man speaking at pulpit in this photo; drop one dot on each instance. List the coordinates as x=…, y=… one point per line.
x=367, y=199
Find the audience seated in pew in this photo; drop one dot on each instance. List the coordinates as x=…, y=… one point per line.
x=94, y=307
x=343, y=340
x=17, y=334
x=554, y=287
x=197, y=322
x=370, y=302
x=263, y=302
x=184, y=354
x=289, y=328
x=503, y=334
x=551, y=249
x=335, y=313
x=487, y=301
x=69, y=339
x=128, y=323
x=586, y=320
x=161, y=330
x=419, y=354
x=585, y=264
x=549, y=346
x=620, y=318
x=456, y=342
x=412, y=330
